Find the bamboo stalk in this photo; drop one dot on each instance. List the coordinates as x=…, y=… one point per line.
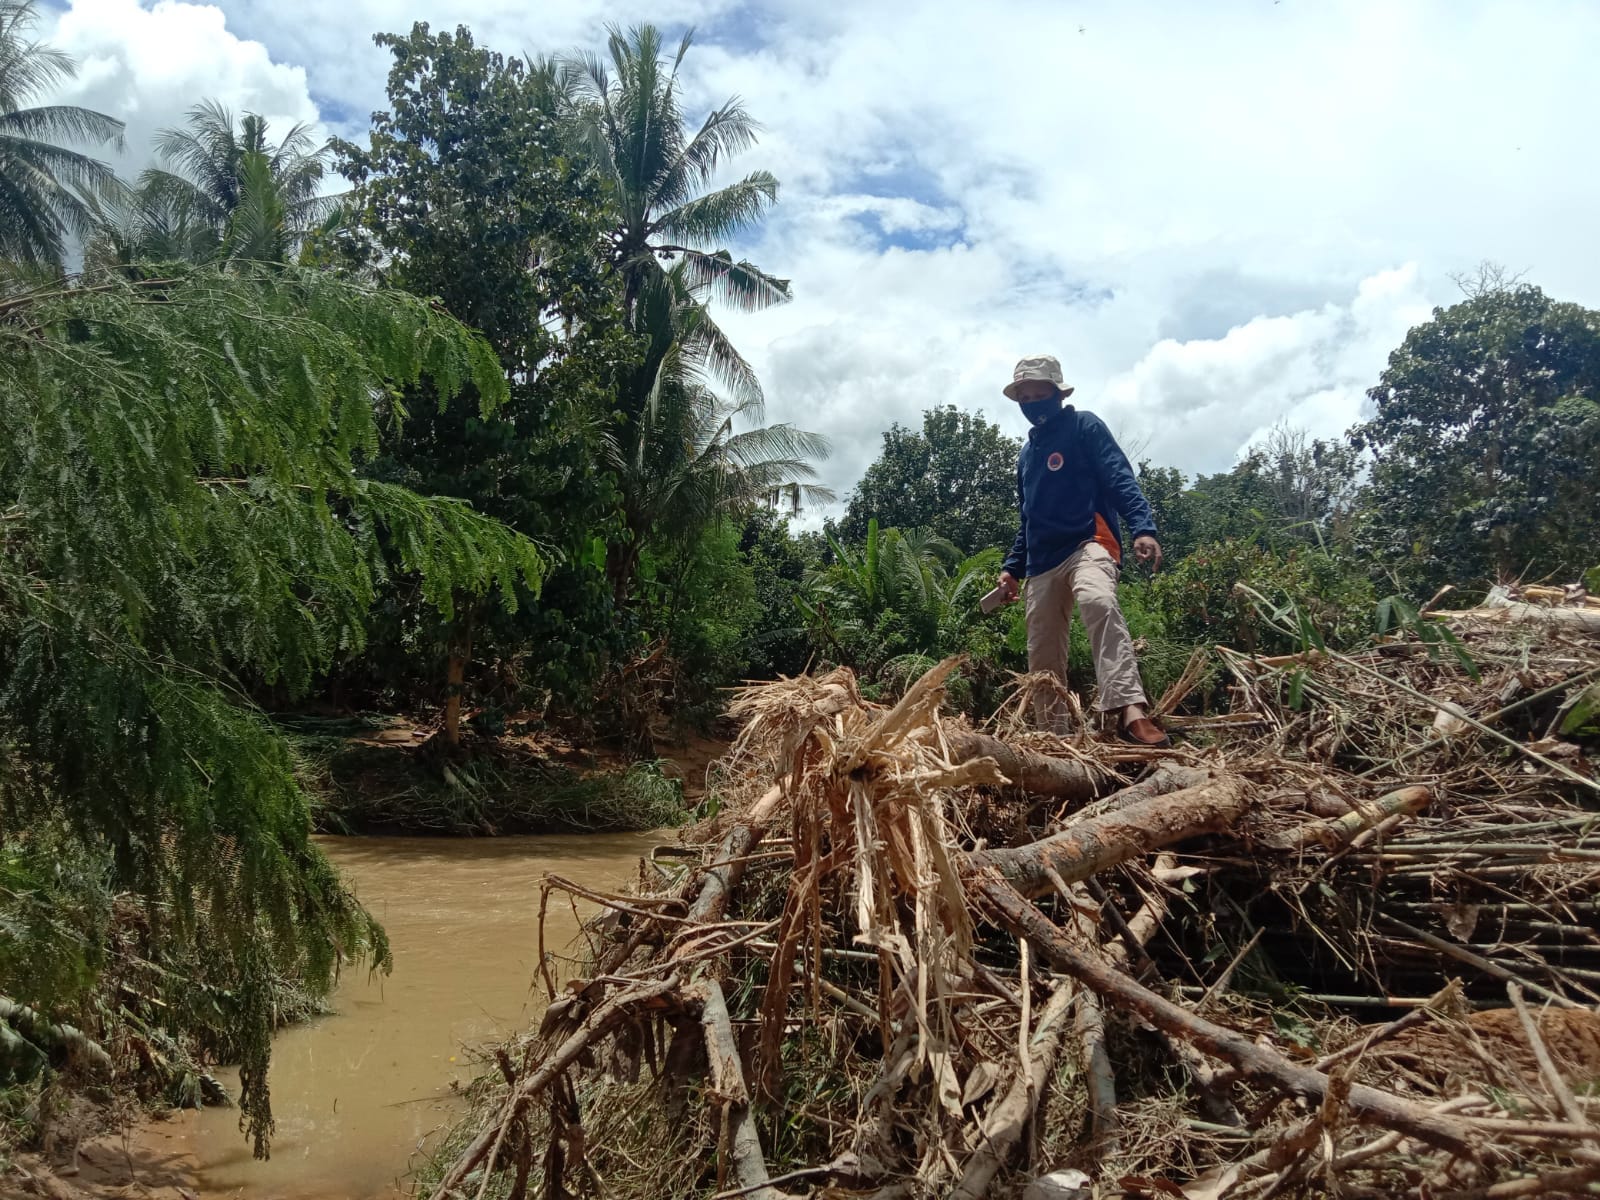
x=1462, y=954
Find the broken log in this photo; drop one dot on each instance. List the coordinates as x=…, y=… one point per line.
x=1338, y=831
x=1093, y=845
x=1254, y=1062
x=1039, y=774
x=732, y=854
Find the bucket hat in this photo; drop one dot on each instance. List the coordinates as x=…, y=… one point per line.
x=1042, y=368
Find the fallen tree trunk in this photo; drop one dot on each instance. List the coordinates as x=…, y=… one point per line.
x=1090, y=846
x=1584, y=620
x=1253, y=1062
x=1040, y=774
x=1169, y=777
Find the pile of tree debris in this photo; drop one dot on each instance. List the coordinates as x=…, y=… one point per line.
x=1342, y=940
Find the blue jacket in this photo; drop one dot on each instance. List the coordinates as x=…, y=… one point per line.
x=1073, y=480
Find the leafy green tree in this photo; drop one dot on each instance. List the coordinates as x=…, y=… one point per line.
x=466, y=191
x=776, y=643
x=1176, y=509
x=1486, y=440
x=1285, y=491
x=1311, y=485
x=1196, y=601
x=184, y=521
x=45, y=188
x=956, y=479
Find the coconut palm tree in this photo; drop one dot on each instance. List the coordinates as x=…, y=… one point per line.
x=208, y=165
x=632, y=119
x=44, y=187
x=224, y=190
x=687, y=455
x=683, y=453
x=629, y=118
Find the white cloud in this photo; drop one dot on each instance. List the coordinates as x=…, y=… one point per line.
x=1219, y=216
x=1207, y=399
x=149, y=66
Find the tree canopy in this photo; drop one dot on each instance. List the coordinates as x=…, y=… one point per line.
x=184, y=518
x=1486, y=439
x=956, y=479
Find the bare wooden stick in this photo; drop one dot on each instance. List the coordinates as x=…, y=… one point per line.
x=1003, y=1125
x=1541, y=1055
x=728, y=1088
x=1089, y=1023
x=1254, y=1062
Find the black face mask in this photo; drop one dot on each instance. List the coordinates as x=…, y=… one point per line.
x=1040, y=411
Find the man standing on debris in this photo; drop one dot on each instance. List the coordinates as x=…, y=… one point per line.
x=1073, y=480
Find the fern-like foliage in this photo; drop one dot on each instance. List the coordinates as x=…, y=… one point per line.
x=181, y=519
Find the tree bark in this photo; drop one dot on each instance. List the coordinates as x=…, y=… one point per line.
x=1092, y=845
x=1040, y=774
x=728, y=1088
x=1254, y=1062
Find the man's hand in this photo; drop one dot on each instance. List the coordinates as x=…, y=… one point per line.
x=1008, y=586
x=1148, y=551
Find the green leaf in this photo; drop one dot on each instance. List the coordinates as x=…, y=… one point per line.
x=1584, y=716
x=1297, y=689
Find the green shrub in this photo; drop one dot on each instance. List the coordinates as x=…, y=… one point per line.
x=1196, y=601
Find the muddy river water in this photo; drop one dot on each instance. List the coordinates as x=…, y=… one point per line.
x=359, y=1095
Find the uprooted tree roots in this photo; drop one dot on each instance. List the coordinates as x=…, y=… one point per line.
x=925, y=961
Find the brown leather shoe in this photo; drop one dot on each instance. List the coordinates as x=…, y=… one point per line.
x=1144, y=732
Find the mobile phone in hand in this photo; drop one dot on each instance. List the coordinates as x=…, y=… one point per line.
x=992, y=601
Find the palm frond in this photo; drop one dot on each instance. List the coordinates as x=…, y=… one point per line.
x=721, y=214
x=62, y=121
x=727, y=131
x=742, y=284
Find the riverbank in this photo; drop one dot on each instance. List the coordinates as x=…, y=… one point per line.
x=386, y=775
x=360, y=1095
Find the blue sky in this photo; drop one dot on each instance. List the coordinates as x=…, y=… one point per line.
x=1219, y=216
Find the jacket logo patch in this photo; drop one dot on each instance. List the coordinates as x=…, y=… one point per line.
x=1055, y=461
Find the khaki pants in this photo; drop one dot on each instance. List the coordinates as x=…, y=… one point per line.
x=1088, y=578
